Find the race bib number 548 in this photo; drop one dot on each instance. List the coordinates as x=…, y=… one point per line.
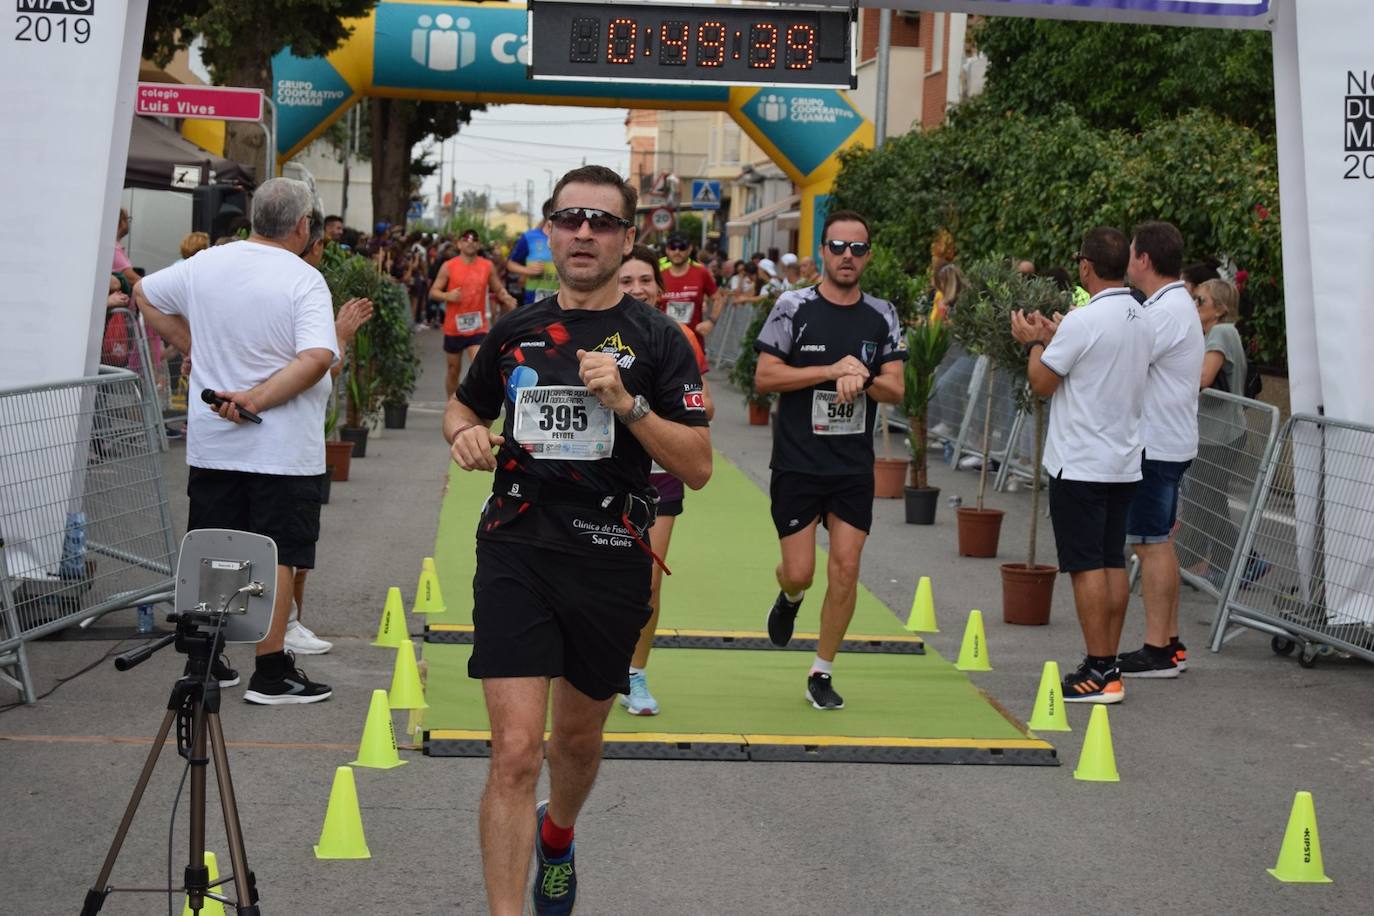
x=564, y=422
x=831, y=418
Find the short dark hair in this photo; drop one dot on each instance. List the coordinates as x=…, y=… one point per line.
x=599, y=174
x=332, y=219
x=1108, y=250
x=548, y=207
x=1163, y=243
x=646, y=254
x=844, y=216
x=1200, y=273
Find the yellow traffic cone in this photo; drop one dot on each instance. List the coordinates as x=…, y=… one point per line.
x=1300, y=858
x=427, y=565
x=392, y=630
x=378, y=747
x=922, y=616
x=342, y=834
x=1097, y=763
x=428, y=598
x=973, y=654
x=1048, y=715
x=406, y=692
x=208, y=907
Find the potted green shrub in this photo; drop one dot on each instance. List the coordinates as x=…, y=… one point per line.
x=394, y=354
x=979, y=326
x=742, y=373
x=338, y=454
x=927, y=342
x=1027, y=588
x=901, y=284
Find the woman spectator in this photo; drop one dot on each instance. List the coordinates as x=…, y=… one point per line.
x=1221, y=437
x=122, y=266
x=949, y=285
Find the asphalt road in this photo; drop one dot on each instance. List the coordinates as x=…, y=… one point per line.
x=1209, y=762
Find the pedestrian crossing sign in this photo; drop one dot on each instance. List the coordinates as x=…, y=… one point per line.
x=705, y=194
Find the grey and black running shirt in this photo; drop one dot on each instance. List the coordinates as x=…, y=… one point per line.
x=804, y=329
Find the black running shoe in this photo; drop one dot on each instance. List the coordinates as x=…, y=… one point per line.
x=221, y=671
x=1147, y=661
x=820, y=690
x=555, y=880
x=278, y=682
x=1087, y=685
x=781, y=618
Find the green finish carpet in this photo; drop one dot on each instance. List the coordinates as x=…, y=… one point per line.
x=723, y=554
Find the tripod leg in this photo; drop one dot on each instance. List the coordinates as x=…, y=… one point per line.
x=197, y=874
x=244, y=884
x=95, y=897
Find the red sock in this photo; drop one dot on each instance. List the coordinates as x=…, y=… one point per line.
x=556, y=840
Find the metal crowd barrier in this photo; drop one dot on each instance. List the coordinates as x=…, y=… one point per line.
x=1236, y=439
x=726, y=340
x=1003, y=417
x=84, y=518
x=951, y=403
x=147, y=360
x=1307, y=576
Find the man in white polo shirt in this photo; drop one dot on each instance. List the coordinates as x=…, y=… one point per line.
x=1168, y=432
x=1094, y=362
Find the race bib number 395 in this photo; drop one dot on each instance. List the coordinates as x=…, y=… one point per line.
x=831, y=418
x=563, y=422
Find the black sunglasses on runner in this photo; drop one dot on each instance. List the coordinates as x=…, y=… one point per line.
x=858, y=249
x=570, y=219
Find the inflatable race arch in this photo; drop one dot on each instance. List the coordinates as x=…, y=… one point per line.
x=472, y=52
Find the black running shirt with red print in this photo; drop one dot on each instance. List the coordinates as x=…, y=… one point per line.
x=534, y=350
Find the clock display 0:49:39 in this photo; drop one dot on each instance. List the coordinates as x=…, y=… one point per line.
x=678, y=43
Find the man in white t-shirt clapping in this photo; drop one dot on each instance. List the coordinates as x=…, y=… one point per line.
x=262, y=323
x=1093, y=362
x=1168, y=431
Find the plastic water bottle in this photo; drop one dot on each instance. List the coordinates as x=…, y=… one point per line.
x=73, y=565
x=146, y=623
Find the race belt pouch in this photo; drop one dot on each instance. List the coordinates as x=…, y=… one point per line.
x=637, y=512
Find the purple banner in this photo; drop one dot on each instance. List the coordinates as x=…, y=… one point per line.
x=1175, y=7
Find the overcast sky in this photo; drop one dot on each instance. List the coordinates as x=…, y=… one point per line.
x=508, y=145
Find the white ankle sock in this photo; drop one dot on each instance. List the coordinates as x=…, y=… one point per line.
x=821, y=666
x=634, y=671
x=794, y=597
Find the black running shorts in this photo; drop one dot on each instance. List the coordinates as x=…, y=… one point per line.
x=1089, y=521
x=284, y=507
x=457, y=343
x=798, y=499
x=537, y=613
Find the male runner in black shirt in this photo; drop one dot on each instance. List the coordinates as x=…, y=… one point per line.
x=594, y=385
x=833, y=353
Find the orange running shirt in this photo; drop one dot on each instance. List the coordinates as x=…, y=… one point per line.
x=468, y=315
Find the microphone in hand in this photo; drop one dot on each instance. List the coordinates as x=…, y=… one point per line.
x=208, y=396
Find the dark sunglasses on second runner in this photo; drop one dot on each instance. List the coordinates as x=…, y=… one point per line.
x=571, y=219
x=837, y=247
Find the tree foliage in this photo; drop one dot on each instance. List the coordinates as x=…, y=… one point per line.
x=1004, y=183
x=1128, y=76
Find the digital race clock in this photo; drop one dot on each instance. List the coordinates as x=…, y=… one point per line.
x=657, y=43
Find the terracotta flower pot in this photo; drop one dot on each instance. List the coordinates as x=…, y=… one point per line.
x=889, y=477
x=758, y=414
x=1027, y=593
x=979, y=530
x=338, y=457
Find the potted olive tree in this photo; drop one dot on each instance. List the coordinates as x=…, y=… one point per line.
x=1027, y=588
x=394, y=354
x=927, y=341
x=742, y=373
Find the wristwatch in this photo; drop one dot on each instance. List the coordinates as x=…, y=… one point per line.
x=638, y=412
x=1032, y=345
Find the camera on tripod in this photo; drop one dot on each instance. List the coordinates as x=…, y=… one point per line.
x=226, y=584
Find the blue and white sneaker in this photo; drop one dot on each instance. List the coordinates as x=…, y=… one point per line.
x=639, y=701
x=555, y=880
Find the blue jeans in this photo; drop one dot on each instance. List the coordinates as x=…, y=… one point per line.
x=1155, y=507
